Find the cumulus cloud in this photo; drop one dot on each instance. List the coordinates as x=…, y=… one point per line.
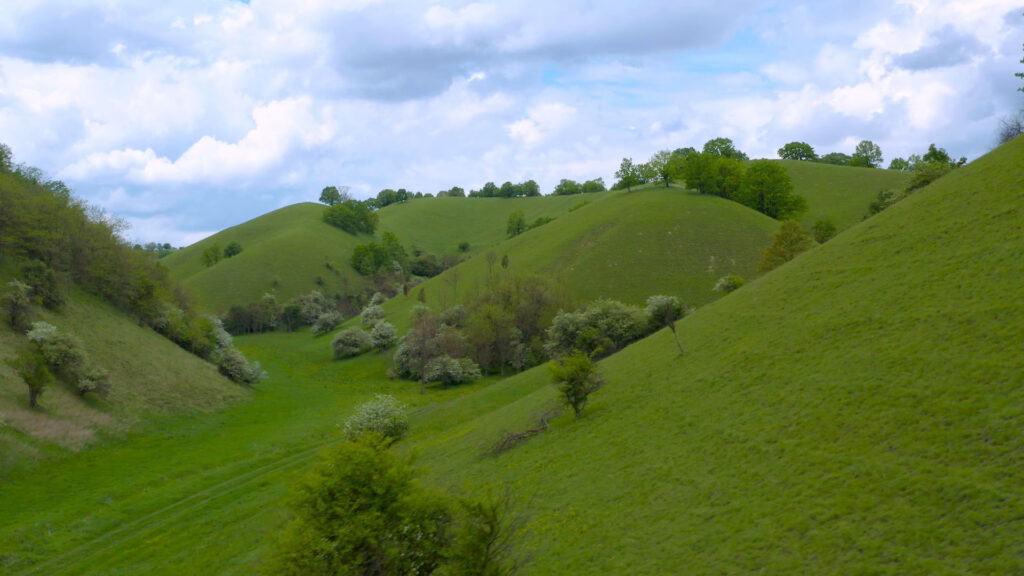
x=172, y=113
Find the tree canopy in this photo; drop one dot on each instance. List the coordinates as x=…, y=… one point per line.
x=768, y=189
x=798, y=151
x=723, y=147
x=866, y=155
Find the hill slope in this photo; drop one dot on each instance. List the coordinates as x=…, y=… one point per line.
x=627, y=246
x=858, y=410
x=149, y=375
x=841, y=194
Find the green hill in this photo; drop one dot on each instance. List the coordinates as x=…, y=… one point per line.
x=626, y=246
x=149, y=376
x=859, y=410
x=841, y=194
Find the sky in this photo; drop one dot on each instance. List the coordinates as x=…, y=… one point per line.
x=186, y=117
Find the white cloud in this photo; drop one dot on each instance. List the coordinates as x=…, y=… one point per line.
x=541, y=123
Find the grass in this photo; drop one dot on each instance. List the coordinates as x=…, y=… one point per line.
x=858, y=410
x=841, y=194
x=149, y=376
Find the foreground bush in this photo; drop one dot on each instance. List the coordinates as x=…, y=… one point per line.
x=448, y=370
x=384, y=416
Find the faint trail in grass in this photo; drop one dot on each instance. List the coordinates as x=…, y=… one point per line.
x=156, y=519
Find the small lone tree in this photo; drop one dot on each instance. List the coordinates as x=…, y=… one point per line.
x=824, y=230
x=232, y=249
x=575, y=378
x=516, y=224
x=31, y=366
x=383, y=415
x=663, y=312
x=866, y=155
x=351, y=342
x=383, y=335
x=211, y=255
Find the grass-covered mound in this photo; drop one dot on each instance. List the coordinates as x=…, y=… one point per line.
x=858, y=410
x=841, y=194
x=626, y=246
x=148, y=376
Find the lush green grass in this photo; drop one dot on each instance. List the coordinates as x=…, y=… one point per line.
x=149, y=376
x=628, y=246
x=859, y=410
x=840, y=193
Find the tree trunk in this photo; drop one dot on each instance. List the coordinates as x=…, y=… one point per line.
x=676, y=336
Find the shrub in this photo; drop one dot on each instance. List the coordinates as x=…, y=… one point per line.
x=372, y=314
x=31, y=367
x=927, y=172
x=232, y=249
x=455, y=316
x=383, y=335
x=790, y=240
x=448, y=370
x=326, y=322
x=67, y=360
x=383, y=415
x=17, y=305
x=464, y=246
x=351, y=342
x=663, y=311
x=602, y=328
x=823, y=230
x=730, y=283
x=362, y=513
x=234, y=365
x=352, y=216
x=576, y=379
x=46, y=286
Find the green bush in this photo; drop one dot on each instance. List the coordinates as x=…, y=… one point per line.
x=327, y=321
x=448, y=370
x=352, y=216
x=17, y=305
x=823, y=231
x=576, y=379
x=372, y=314
x=383, y=335
x=602, y=328
x=383, y=415
x=730, y=283
x=789, y=241
x=351, y=342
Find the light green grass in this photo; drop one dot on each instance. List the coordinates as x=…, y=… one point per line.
x=149, y=375
x=858, y=410
x=841, y=194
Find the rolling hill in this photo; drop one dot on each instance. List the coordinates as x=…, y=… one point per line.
x=290, y=251
x=858, y=410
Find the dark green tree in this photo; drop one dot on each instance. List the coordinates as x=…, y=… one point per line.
x=768, y=189
x=352, y=216
x=332, y=195
x=31, y=367
x=723, y=147
x=232, y=249
x=835, y=158
x=567, y=187
x=361, y=513
x=823, y=231
x=798, y=151
x=211, y=255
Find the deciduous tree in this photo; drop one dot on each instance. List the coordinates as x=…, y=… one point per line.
x=866, y=155
x=576, y=379
x=797, y=151
x=768, y=189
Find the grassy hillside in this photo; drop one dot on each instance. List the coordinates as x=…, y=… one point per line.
x=840, y=193
x=627, y=246
x=859, y=410
x=283, y=252
x=149, y=375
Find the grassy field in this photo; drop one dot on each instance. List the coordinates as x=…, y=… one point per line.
x=149, y=376
x=858, y=410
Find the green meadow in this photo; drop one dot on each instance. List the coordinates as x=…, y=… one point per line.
x=857, y=410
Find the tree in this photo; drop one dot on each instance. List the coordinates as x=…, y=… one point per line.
x=628, y=174
x=566, y=187
x=940, y=156
x=31, y=367
x=232, y=249
x=798, y=151
x=576, y=379
x=663, y=312
x=866, y=155
x=789, y=241
x=711, y=174
x=17, y=305
x=768, y=189
x=835, y=158
x=1010, y=127
x=332, y=195
x=516, y=224
x=371, y=314
x=361, y=513
x=211, y=255
x=352, y=216
x=900, y=164
x=592, y=186
x=724, y=148
x=660, y=165
x=728, y=284
x=484, y=538
x=530, y=188
x=383, y=335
